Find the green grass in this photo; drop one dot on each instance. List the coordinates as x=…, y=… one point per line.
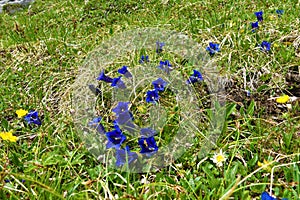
x=42, y=48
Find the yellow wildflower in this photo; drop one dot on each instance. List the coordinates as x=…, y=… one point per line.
x=8, y=136
x=275, y=45
x=21, y=113
x=265, y=165
x=282, y=99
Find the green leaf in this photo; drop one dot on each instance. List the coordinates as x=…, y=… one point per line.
x=229, y=110
x=261, y=88
x=253, y=161
x=250, y=109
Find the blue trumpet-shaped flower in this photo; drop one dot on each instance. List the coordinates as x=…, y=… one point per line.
x=115, y=138
x=123, y=118
x=122, y=107
x=118, y=83
x=148, y=146
x=124, y=156
x=125, y=72
x=94, y=89
x=254, y=26
x=159, y=84
x=165, y=66
x=196, y=77
x=96, y=124
x=266, y=196
x=33, y=118
x=259, y=15
x=265, y=46
x=144, y=59
x=197, y=74
x=159, y=46
x=103, y=77
x=147, y=132
x=152, y=96
x=213, y=48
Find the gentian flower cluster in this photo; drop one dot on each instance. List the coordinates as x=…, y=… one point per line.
x=265, y=46
x=115, y=82
x=116, y=139
x=152, y=95
x=259, y=16
x=30, y=117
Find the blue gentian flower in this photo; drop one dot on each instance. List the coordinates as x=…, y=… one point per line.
x=165, y=66
x=213, y=48
x=118, y=83
x=248, y=93
x=32, y=117
x=152, y=96
x=94, y=89
x=125, y=72
x=121, y=155
x=266, y=196
x=144, y=59
x=115, y=139
x=129, y=126
x=147, y=132
x=197, y=74
x=265, y=46
x=116, y=126
x=196, y=77
x=148, y=146
x=279, y=12
x=192, y=80
x=159, y=84
x=259, y=15
x=159, y=46
x=254, y=26
x=123, y=118
x=95, y=123
x=103, y=77
x=121, y=108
